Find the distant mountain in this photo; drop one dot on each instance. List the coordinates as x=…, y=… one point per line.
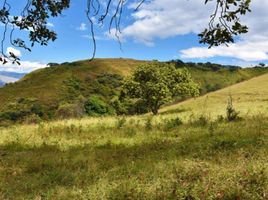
x=12, y=74
x=2, y=83
x=9, y=77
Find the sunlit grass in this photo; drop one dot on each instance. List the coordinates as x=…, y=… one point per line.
x=184, y=153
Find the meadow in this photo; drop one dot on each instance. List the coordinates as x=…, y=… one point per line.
x=179, y=154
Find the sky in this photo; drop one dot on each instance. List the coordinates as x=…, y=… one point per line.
x=160, y=29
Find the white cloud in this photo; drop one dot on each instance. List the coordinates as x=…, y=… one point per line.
x=16, y=52
x=160, y=19
x=167, y=18
x=82, y=27
x=25, y=67
x=49, y=24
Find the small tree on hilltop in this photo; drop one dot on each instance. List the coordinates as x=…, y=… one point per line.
x=157, y=83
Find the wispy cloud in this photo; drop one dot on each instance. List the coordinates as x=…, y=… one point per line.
x=160, y=19
x=82, y=27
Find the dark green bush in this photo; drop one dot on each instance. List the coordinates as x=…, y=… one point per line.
x=96, y=105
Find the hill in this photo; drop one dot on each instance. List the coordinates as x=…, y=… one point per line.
x=58, y=89
x=249, y=98
x=175, y=155
x=139, y=157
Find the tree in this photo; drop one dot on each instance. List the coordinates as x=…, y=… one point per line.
x=223, y=25
x=158, y=83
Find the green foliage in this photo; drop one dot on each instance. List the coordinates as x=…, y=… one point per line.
x=70, y=110
x=158, y=83
x=21, y=109
x=231, y=113
x=172, y=123
x=95, y=106
x=57, y=85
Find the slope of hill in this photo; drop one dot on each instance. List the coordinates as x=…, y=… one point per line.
x=55, y=85
x=46, y=84
x=249, y=98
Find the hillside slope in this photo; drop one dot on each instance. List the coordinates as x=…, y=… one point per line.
x=45, y=84
x=64, y=83
x=249, y=98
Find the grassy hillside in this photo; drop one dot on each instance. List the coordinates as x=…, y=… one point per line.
x=46, y=84
x=64, y=88
x=249, y=97
x=144, y=157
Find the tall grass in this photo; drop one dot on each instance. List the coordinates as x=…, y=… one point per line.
x=136, y=158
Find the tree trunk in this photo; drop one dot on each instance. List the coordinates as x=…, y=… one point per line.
x=155, y=111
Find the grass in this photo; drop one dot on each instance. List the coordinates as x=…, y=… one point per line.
x=249, y=98
x=185, y=153
x=46, y=85
x=106, y=158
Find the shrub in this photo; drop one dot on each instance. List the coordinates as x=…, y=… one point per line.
x=121, y=122
x=31, y=119
x=148, y=123
x=231, y=113
x=70, y=110
x=95, y=106
x=173, y=123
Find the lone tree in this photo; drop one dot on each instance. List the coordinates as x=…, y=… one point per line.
x=158, y=83
x=224, y=22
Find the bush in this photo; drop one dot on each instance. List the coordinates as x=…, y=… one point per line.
x=70, y=110
x=173, y=123
x=121, y=122
x=31, y=119
x=95, y=106
x=20, y=109
x=231, y=113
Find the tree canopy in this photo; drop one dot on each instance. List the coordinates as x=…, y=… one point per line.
x=158, y=83
x=224, y=22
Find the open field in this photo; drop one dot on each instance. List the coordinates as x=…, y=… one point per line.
x=249, y=98
x=113, y=159
x=144, y=157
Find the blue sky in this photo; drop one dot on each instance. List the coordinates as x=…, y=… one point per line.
x=161, y=29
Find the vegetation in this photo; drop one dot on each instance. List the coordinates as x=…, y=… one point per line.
x=156, y=84
x=196, y=149
x=62, y=89
x=135, y=158
x=248, y=98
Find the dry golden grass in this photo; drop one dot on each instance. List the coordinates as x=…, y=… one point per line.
x=249, y=98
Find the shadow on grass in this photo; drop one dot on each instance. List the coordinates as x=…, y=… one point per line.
x=28, y=171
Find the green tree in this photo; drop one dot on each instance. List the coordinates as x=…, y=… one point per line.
x=158, y=83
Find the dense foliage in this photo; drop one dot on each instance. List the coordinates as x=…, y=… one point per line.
x=156, y=83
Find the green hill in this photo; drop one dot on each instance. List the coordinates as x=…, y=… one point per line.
x=144, y=157
x=63, y=85
x=249, y=98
